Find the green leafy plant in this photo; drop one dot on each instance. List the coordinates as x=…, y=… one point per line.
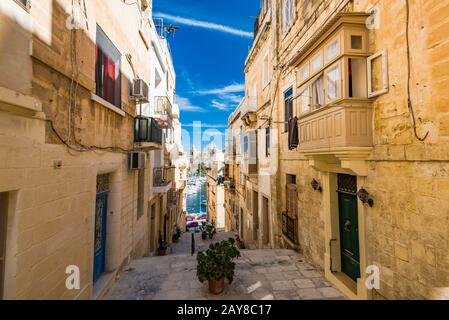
x=218, y=261
x=211, y=231
x=240, y=243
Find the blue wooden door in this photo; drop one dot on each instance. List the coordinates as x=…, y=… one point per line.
x=101, y=209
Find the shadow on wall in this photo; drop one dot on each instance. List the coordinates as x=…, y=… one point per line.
x=47, y=75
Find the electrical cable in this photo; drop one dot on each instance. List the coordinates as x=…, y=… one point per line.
x=409, y=100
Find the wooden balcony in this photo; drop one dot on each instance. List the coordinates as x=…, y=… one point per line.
x=337, y=129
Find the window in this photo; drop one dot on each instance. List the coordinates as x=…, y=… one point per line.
x=267, y=142
x=287, y=14
x=318, y=93
x=107, y=70
x=3, y=207
x=245, y=145
x=378, y=74
x=356, y=42
x=333, y=83
x=333, y=50
x=357, y=78
x=141, y=194
x=317, y=63
x=304, y=73
x=24, y=4
x=292, y=195
x=288, y=103
x=266, y=71
x=157, y=78
x=304, y=100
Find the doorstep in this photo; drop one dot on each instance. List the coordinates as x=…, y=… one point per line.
x=103, y=284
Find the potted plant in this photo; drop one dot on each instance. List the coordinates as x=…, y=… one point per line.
x=240, y=243
x=162, y=249
x=211, y=231
x=217, y=264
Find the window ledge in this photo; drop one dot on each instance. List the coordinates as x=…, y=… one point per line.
x=19, y=100
x=106, y=104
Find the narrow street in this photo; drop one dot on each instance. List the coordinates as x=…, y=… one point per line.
x=260, y=275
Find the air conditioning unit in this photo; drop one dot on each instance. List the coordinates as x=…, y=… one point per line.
x=140, y=91
x=137, y=160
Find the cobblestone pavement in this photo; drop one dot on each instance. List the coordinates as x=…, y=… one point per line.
x=260, y=275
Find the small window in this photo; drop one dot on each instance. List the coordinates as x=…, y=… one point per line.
x=377, y=66
x=107, y=70
x=287, y=14
x=25, y=4
x=266, y=71
x=304, y=100
x=356, y=42
x=333, y=83
x=267, y=142
x=288, y=107
x=304, y=73
x=317, y=63
x=245, y=145
x=333, y=50
x=318, y=92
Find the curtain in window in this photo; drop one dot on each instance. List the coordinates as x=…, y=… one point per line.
x=107, y=70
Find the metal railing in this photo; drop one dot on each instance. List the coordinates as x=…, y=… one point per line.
x=161, y=177
x=290, y=227
x=163, y=106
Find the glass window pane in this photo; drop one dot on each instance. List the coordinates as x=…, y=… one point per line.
x=357, y=42
x=304, y=100
x=333, y=76
x=333, y=50
x=317, y=63
x=304, y=73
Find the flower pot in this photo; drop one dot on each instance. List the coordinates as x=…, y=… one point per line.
x=204, y=236
x=216, y=286
x=211, y=236
x=162, y=252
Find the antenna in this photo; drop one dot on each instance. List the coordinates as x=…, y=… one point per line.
x=165, y=30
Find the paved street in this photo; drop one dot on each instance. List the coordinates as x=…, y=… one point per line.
x=260, y=275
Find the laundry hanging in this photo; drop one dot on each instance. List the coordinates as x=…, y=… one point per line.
x=293, y=133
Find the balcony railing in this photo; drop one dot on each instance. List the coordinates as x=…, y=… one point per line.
x=163, y=106
x=161, y=176
x=290, y=227
x=147, y=130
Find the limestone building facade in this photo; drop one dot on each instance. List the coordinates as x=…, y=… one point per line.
x=358, y=115
x=80, y=181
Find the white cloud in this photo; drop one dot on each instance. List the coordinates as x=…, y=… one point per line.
x=204, y=24
x=233, y=88
x=220, y=105
x=186, y=105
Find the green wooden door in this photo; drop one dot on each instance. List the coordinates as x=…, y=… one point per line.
x=349, y=235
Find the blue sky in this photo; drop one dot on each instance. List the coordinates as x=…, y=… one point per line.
x=209, y=53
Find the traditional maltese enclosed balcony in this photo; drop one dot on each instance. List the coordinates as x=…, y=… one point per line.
x=336, y=78
x=248, y=109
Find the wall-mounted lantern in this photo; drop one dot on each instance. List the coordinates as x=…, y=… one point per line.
x=316, y=186
x=365, y=197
